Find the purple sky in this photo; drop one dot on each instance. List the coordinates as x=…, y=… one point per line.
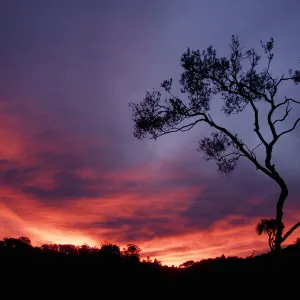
x=68, y=71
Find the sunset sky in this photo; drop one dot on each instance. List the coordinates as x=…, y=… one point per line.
x=71, y=170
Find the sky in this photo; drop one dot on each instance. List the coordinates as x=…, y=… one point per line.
x=71, y=170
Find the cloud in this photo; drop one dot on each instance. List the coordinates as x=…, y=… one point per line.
x=70, y=168
x=172, y=208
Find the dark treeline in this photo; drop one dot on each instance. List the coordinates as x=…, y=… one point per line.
x=83, y=271
x=126, y=264
x=108, y=253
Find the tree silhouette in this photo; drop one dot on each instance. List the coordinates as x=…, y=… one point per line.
x=241, y=82
x=132, y=252
x=50, y=247
x=269, y=227
x=84, y=250
x=68, y=249
x=157, y=262
x=109, y=251
x=187, y=264
x=25, y=240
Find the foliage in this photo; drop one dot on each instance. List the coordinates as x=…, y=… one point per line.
x=187, y=264
x=83, y=262
x=269, y=227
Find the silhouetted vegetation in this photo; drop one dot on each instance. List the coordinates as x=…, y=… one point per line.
x=69, y=265
x=269, y=227
x=238, y=81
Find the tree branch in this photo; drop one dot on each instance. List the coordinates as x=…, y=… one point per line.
x=256, y=118
x=232, y=153
x=256, y=123
x=283, y=79
x=287, y=131
x=256, y=147
x=177, y=129
x=286, y=101
x=240, y=147
x=276, y=136
x=256, y=92
x=290, y=232
x=287, y=110
x=272, y=124
x=252, y=151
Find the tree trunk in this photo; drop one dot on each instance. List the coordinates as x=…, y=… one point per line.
x=279, y=213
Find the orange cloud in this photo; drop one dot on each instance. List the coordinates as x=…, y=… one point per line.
x=55, y=194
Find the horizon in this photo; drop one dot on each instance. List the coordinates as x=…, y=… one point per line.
x=71, y=170
x=147, y=255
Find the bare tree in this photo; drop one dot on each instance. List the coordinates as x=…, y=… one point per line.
x=239, y=82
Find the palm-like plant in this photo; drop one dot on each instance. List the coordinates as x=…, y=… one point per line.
x=269, y=227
